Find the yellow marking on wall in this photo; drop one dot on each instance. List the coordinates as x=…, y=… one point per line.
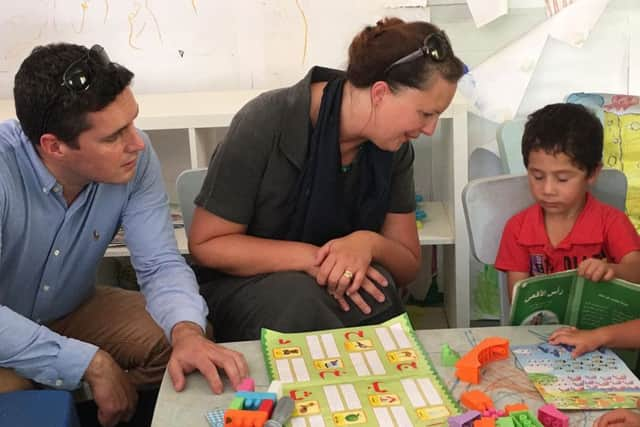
x=622, y=151
x=306, y=30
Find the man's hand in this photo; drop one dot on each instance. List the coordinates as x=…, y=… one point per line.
x=114, y=394
x=193, y=351
x=619, y=418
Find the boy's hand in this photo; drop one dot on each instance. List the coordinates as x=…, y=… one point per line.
x=583, y=341
x=619, y=418
x=596, y=270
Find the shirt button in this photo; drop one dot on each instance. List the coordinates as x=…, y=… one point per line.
x=44, y=189
x=45, y=288
x=59, y=382
x=56, y=189
x=56, y=252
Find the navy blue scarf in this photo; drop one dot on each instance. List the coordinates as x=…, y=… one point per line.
x=320, y=212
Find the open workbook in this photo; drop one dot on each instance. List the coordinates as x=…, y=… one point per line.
x=596, y=380
x=376, y=375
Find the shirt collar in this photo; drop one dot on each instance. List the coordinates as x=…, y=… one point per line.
x=46, y=180
x=535, y=234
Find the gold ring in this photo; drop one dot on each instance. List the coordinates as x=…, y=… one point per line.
x=348, y=274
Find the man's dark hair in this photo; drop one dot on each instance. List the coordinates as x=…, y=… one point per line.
x=45, y=105
x=568, y=128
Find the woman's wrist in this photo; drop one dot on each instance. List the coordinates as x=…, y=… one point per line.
x=371, y=239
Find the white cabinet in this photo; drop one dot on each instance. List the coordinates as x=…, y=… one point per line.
x=185, y=127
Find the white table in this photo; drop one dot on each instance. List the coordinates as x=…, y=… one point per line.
x=502, y=380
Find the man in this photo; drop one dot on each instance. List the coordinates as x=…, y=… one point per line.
x=73, y=169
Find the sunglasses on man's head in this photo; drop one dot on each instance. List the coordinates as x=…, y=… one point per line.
x=78, y=77
x=436, y=47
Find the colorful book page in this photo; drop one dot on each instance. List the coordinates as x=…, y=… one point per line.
x=376, y=375
x=596, y=380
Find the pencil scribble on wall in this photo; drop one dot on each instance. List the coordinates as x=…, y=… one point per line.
x=84, y=6
x=306, y=30
x=138, y=23
x=106, y=11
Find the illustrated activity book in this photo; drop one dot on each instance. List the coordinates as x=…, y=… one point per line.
x=596, y=380
x=376, y=375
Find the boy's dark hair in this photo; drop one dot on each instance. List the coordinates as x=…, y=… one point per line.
x=375, y=48
x=570, y=129
x=45, y=105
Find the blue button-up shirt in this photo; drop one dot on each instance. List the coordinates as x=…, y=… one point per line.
x=49, y=254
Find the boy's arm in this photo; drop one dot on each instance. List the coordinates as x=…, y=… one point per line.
x=629, y=267
x=512, y=278
x=619, y=335
x=622, y=244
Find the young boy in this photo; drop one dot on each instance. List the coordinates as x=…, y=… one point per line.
x=621, y=335
x=567, y=227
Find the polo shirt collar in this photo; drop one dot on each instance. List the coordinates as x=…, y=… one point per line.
x=586, y=230
x=296, y=112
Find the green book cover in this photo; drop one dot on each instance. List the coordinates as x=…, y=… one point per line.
x=377, y=375
x=569, y=299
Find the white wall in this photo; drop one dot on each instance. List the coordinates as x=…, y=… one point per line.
x=186, y=45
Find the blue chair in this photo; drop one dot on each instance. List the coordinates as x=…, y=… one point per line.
x=509, y=139
x=188, y=186
x=38, y=408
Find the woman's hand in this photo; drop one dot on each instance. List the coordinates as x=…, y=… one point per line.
x=345, y=267
x=356, y=297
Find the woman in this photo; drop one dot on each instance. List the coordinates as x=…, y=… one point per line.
x=306, y=217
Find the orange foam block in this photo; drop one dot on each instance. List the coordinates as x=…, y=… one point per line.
x=484, y=422
x=489, y=350
x=475, y=399
x=244, y=418
x=516, y=407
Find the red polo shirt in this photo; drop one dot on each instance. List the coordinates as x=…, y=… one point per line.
x=600, y=231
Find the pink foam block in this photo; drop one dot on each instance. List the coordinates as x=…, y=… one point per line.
x=247, y=384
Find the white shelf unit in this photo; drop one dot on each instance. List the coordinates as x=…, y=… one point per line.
x=200, y=119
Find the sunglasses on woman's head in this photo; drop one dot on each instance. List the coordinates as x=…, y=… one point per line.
x=78, y=76
x=436, y=47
